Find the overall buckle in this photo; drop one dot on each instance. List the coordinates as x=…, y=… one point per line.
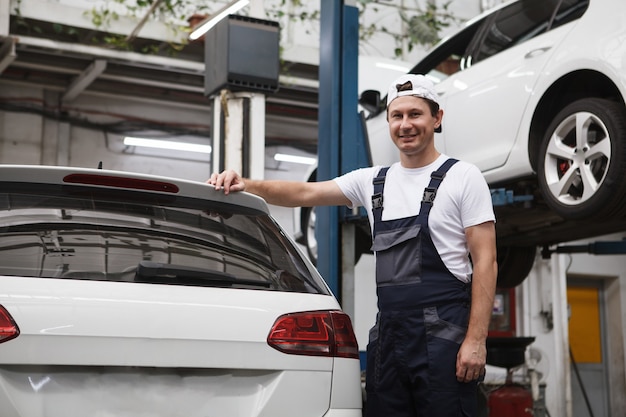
x=429, y=195
x=377, y=201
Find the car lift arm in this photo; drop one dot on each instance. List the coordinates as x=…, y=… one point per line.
x=594, y=248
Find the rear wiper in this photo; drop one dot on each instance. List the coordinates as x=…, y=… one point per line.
x=159, y=273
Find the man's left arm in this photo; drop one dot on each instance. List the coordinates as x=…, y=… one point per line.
x=472, y=356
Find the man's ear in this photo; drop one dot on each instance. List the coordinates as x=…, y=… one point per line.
x=439, y=118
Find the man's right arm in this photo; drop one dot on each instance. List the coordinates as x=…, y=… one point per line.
x=282, y=193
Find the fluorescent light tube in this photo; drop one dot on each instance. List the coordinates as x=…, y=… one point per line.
x=394, y=67
x=167, y=144
x=305, y=160
x=204, y=26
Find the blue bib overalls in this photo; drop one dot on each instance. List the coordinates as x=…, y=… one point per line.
x=422, y=319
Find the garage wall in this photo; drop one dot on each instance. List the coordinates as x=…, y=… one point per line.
x=20, y=133
x=27, y=138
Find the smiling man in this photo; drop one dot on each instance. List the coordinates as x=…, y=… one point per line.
x=427, y=350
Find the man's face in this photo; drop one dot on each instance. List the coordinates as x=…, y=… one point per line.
x=411, y=124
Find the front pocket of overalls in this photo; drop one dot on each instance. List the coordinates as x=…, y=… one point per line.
x=444, y=339
x=398, y=256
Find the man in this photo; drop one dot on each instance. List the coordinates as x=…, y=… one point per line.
x=427, y=350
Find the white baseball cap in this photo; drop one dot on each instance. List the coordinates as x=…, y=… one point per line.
x=419, y=86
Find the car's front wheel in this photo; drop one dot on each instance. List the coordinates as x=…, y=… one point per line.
x=307, y=226
x=582, y=160
x=362, y=241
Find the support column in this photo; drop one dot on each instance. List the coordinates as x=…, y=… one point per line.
x=328, y=145
x=5, y=15
x=338, y=139
x=238, y=133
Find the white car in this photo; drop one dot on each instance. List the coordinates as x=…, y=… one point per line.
x=136, y=295
x=533, y=93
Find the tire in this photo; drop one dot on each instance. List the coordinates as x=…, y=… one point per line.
x=307, y=226
x=582, y=160
x=362, y=242
x=514, y=264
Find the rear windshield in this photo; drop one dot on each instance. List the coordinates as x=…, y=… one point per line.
x=72, y=232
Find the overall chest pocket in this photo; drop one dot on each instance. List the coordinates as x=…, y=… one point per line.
x=398, y=256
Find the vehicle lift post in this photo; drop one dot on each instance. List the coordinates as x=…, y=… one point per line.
x=341, y=141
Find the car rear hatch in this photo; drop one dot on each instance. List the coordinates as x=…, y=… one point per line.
x=125, y=302
x=105, y=348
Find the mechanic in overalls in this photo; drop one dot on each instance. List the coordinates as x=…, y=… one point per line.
x=429, y=215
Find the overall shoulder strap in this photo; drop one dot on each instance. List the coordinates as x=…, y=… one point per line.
x=377, y=197
x=430, y=192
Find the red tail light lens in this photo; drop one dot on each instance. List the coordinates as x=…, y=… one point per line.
x=315, y=333
x=8, y=328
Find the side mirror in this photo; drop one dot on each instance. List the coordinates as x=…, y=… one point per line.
x=371, y=101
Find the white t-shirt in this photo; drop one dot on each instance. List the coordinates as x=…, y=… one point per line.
x=463, y=200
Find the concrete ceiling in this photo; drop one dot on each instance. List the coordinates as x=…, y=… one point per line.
x=73, y=66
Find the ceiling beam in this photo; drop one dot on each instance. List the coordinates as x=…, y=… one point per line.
x=7, y=53
x=81, y=82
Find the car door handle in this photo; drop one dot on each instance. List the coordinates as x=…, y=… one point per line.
x=536, y=52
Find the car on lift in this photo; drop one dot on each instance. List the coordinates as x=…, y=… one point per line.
x=533, y=94
x=127, y=294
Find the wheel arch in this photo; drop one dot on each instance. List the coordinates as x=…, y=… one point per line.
x=567, y=89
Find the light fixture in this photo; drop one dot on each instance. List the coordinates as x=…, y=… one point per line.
x=204, y=26
x=167, y=144
x=305, y=160
x=393, y=67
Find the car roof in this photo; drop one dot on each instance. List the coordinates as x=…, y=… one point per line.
x=102, y=178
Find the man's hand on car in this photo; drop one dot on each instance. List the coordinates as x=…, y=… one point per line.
x=228, y=181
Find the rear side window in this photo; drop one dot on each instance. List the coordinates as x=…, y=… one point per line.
x=71, y=232
x=522, y=21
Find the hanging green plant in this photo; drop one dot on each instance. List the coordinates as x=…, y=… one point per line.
x=421, y=23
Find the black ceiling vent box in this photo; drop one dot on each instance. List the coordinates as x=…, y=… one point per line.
x=241, y=54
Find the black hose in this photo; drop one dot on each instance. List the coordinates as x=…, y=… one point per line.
x=580, y=382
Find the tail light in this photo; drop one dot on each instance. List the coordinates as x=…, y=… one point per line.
x=315, y=333
x=8, y=328
x=121, y=182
